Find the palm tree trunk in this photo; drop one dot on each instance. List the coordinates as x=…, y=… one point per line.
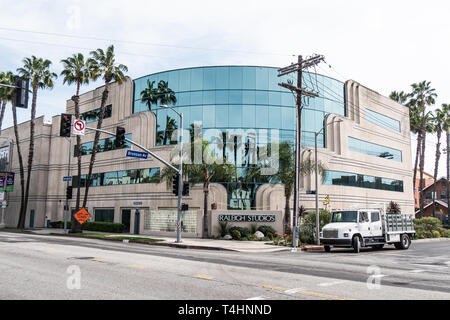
x=448, y=177
x=21, y=222
x=422, y=164
x=436, y=169
x=30, y=152
x=287, y=213
x=205, y=210
x=97, y=138
x=416, y=163
x=76, y=226
x=2, y=114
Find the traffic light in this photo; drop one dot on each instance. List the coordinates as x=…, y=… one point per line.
x=66, y=125
x=21, y=92
x=186, y=188
x=120, y=137
x=69, y=192
x=175, y=184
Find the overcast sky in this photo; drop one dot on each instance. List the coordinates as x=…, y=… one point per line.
x=384, y=45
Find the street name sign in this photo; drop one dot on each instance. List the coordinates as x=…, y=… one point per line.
x=65, y=179
x=82, y=216
x=79, y=127
x=137, y=154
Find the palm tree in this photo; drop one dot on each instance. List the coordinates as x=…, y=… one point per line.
x=6, y=93
x=437, y=125
x=428, y=120
x=79, y=71
x=162, y=93
x=103, y=64
x=446, y=128
x=37, y=70
x=205, y=173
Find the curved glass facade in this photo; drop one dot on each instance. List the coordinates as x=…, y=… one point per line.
x=242, y=97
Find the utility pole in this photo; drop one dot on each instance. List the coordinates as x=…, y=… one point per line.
x=299, y=91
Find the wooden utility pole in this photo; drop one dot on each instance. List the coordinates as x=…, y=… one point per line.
x=299, y=91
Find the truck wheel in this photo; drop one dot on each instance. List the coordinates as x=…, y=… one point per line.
x=356, y=244
x=404, y=243
x=327, y=248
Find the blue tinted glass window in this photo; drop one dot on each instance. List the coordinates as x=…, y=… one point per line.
x=274, y=98
x=196, y=97
x=373, y=149
x=288, y=118
x=275, y=118
x=222, y=116
x=196, y=114
x=235, y=116
x=185, y=80
x=222, y=97
x=249, y=78
x=209, y=97
x=262, y=116
x=262, y=79
x=382, y=120
x=174, y=80
x=209, y=78
x=248, y=116
x=236, y=77
x=209, y=116
x=222, y=78
x=235, y=97
x=287, y=99
x=197, y=79
x=338, y=178
x=273, y=79
x=183, y=98
x=248, y=97
x=262, y=97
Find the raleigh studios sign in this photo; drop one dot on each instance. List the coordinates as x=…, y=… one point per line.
x=247, y=218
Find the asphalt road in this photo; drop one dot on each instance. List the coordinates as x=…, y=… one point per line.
x=50, y=267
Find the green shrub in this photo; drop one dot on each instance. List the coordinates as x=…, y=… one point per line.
x=245, y=232
x=253, y=228
x=93, y=226
x=266, y=230
x=223, y=228
x=427, y=234
x=428, y=224
x=447, y=233
x=269, y=235
x=235, y=234
x=324, y=218
x=306, y=233
x=436, y=234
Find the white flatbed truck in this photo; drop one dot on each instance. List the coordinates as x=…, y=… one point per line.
x=367, y=228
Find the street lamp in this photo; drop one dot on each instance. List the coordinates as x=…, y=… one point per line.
x=180, y=172
x=317, y=180
x=2, y=218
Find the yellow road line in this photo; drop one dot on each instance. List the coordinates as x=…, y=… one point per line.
x=49, y=251
x=273, y=288
x=201, y=276
x=99, y=260
x=321, y=295
x=137, y=267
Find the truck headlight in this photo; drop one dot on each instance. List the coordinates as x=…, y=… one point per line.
x=345, y=235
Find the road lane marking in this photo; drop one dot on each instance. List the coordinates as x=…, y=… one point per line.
x=98, y=260
x=137, y=267
x=321, y=295
x=49, y=251
x=256, y=298
x=293, y=291
x=417, y=271
x=273, y=288
x=329, y=284
x=203, y=277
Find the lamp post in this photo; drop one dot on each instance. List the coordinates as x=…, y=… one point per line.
x=2, y=218
x=180, y=172
x=317, y=181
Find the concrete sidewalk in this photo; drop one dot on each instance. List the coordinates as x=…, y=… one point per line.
x=187, y=243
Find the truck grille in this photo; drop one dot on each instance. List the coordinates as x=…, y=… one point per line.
x=330, y=234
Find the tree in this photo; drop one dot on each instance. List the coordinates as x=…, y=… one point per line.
x=446, y=128
x=79, y=71
x=428, y=120
x=6, y=93
x=437, y=124
x=205, y=173
x=103, y=64
x=162, y=93
x=37, y=71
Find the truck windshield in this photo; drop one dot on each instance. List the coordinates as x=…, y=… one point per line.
x=345, y=216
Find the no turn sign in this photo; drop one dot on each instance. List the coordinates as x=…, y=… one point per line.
x=79, y=127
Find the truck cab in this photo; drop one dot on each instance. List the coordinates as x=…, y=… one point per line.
x=367, y=228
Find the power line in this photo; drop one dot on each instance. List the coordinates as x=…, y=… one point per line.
x=143, y=43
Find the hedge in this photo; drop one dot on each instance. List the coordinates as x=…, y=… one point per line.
x=93, y=226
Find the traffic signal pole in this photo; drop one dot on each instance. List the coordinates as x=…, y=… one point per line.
x=66, y=211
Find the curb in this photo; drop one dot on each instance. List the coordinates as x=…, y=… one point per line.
x=313, y=248
x=161, y=244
